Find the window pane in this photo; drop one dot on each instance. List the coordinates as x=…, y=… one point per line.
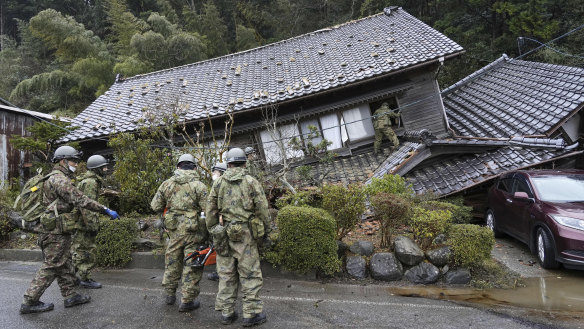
x=331, y=131
x=358, y=122
x=306, y=131
x=287, y=132
x=271, y=150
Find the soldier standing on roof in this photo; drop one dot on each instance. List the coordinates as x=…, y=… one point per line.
x=382, y=124
x=184, y=196
x=83, y=246
x=60, y=197
x=237, y=218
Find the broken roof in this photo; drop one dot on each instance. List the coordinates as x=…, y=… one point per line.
x=305, y=65
x=512, y=97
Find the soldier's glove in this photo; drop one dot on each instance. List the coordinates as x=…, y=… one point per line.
x=265, y=243
x=112, y=213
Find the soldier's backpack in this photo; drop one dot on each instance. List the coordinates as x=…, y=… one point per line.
x=28, y=206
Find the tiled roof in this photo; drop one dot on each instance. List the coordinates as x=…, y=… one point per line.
x=301, y=66
x=396, y=159
x=513, y=98
x=461, y=172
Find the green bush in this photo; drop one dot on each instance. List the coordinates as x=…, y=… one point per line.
x=471, y=244
x=7, y=197
x=306, y=241
x=345, y=204
x=427, y=224
x=392, y=211
x=312, y=198
x=393, y=184
x=461, y=214
x=114, y=242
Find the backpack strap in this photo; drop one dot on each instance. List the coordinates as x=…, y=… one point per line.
x=33, y=189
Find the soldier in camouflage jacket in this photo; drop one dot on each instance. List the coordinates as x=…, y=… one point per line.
x=60, y=197
x=183, y=196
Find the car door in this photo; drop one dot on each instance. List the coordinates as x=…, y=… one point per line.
x=519, y=209
x=499, y=204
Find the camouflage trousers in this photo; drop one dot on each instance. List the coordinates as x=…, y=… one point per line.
x=83, y=253
x=240, y=268
x=177, y=249
x=56, y=265
x=389, y=133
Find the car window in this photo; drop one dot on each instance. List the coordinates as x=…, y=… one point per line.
x=505, y=185
x=569, y=188
x=521, y=186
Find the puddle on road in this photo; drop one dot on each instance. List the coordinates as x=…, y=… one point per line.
x=561, y=294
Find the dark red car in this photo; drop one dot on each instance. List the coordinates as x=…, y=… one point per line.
x=545, y=210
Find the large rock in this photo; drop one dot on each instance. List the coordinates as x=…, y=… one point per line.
x=356, y=267
x=440, y=239
x=385, y=266
x=407, y=251
x=439, y=256
x=363, y=248
x=423, y=273
x=460, y=276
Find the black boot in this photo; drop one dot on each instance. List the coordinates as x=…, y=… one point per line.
x=36, y=307
x=229, y=319
x=77, y=299
x=170, y=299
x=192, y=305
x=213, y=276
x=90, y=284
x=258, y=318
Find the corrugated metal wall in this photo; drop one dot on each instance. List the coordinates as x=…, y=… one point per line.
x=12, y=160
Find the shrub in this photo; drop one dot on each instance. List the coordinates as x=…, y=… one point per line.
x=427, y=224
x=7, y=197
x=391, y=210
x=345, y=204
x=114, y=242
x=393, y=184
x=306, y=241
x=312, y=198
x=471, y=244
x=461, y=214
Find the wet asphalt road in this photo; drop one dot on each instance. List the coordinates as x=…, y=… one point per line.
x=134, y=299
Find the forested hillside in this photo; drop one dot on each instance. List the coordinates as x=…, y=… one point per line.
x=59, y=55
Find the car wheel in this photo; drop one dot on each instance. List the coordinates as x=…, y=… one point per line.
x=492, y=224
x=545, y=250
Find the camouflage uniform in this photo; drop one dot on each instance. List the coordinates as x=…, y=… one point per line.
x=83, y=246
x=56, y=243
x=238, y=197
x=382, y=125
x=184, y=195
x=254, y=169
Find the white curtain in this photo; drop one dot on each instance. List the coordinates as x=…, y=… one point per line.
x=344, y=136
x=358, y=122
x=305, y=131
x=287, y=132
x=331, y=131
x=271, y=150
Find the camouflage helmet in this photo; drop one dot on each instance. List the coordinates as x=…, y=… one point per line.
x=96, y=161
x=236, y=155
x=66, y=152
x=386, y=104
x=220, y=166
x=186, y=158
x=249, y=150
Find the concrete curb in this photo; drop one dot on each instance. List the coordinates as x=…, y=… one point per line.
x=146, y=260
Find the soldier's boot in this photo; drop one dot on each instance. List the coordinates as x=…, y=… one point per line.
x=258, y=318
x=36, y=307
x=77, y=299
x=229, y=319
x=214, y=276
x=170, y=299
x=189, y=306
x=90, y=284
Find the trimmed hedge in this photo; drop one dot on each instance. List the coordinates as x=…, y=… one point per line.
x=345, y=204
x=393, y=184
x=306, y=241
x=391, y=210
x=427, y=224
x=300, y=199
x=461, y=214
x=114, y=242
x=471, y=244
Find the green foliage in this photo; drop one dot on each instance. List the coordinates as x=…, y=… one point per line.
x=461, y=214
x=306, y=241
x=427, y=224
x=314, y=146
x=310, y=198
x=392, y=212
x=345, y=204
x=114, y=242
x=139, y=169
x=8, y=194
x=471, y=244
x=246, y=38
x=393, y=184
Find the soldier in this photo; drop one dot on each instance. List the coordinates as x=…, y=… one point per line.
x=252, y=167
x=60, y=197
x=236, y=215
x=382, y=125
x=184, y=196
x=217, y=170
x=83, y=246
